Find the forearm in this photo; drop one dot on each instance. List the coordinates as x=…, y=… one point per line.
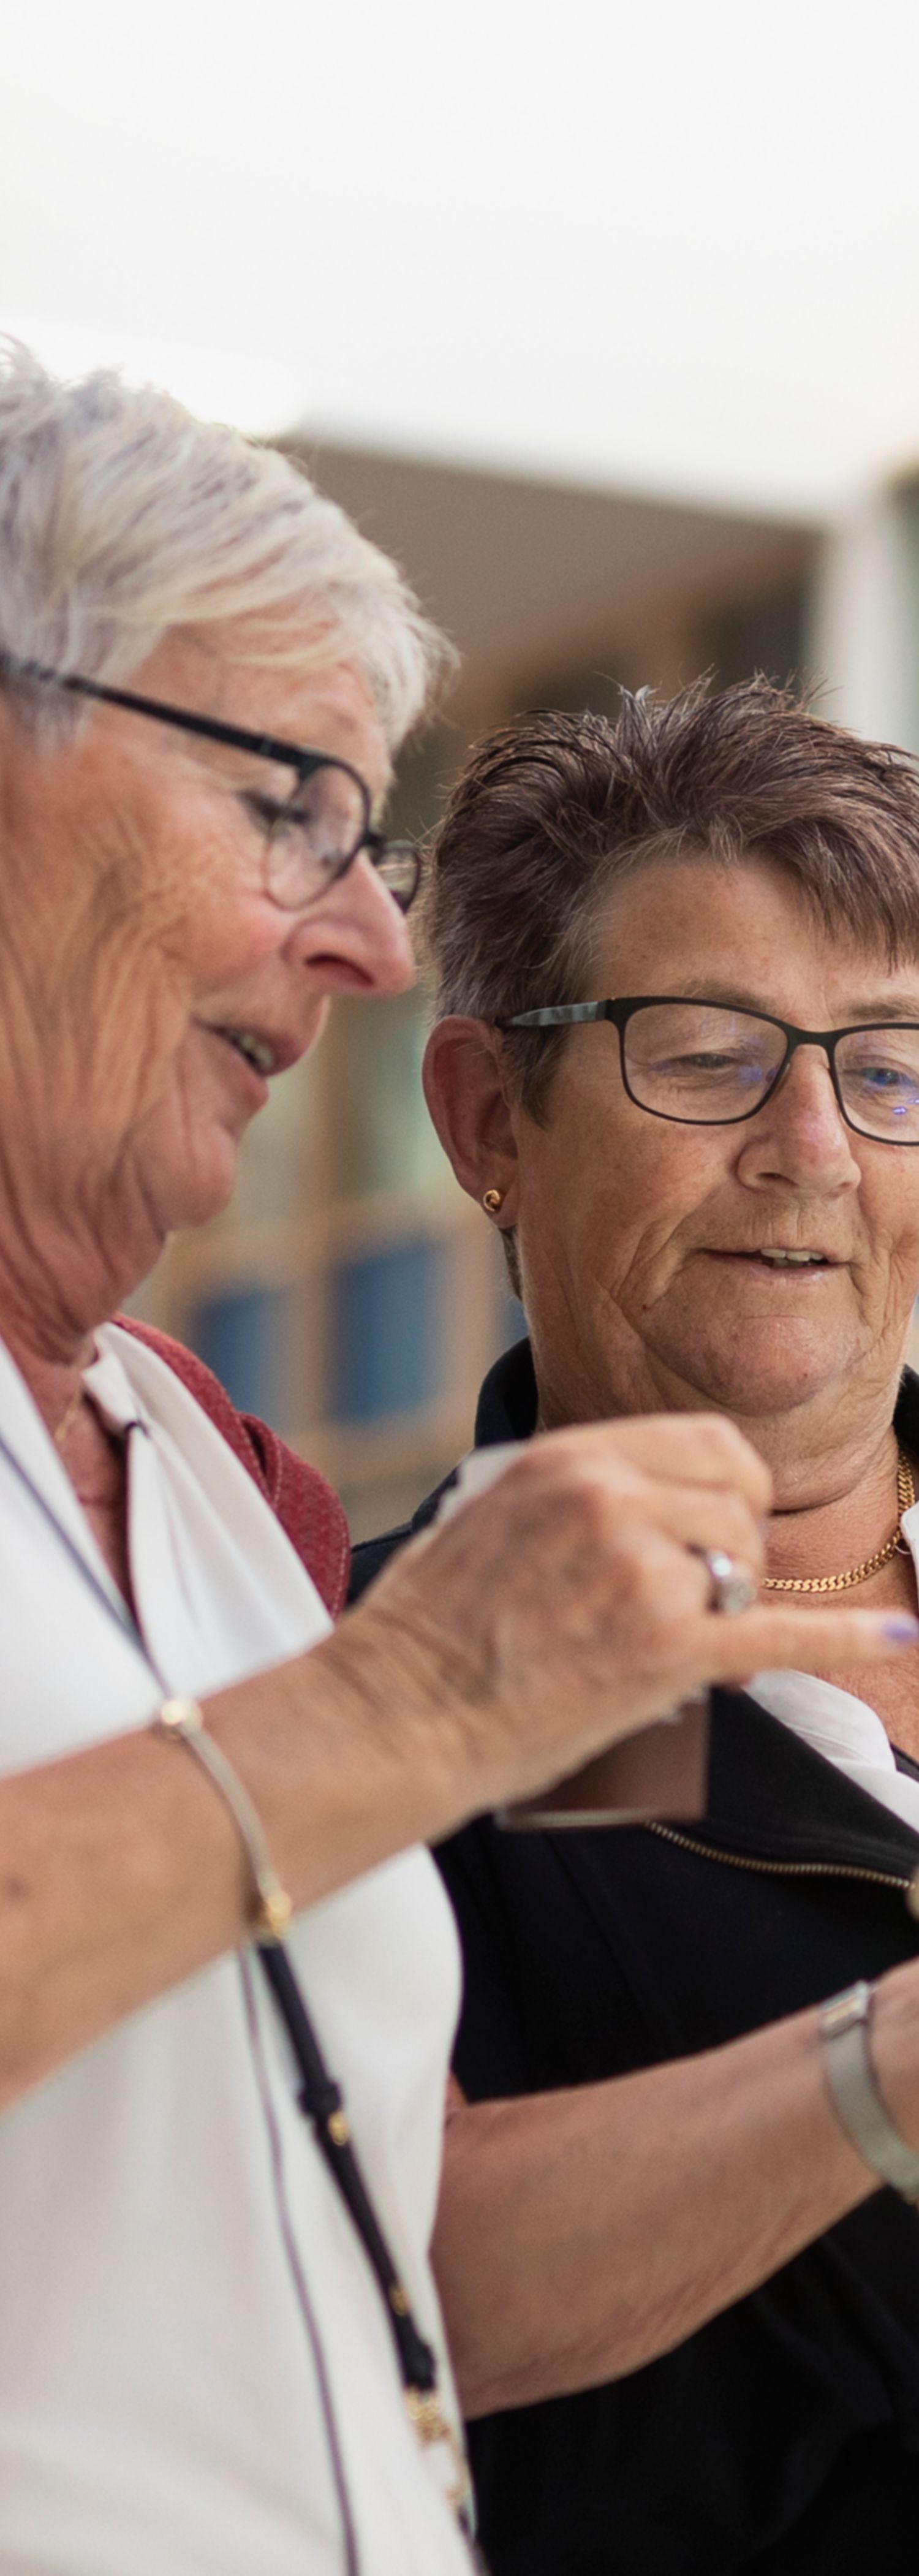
x=491, y=1657
x=581, y=2234
x=121, y=1871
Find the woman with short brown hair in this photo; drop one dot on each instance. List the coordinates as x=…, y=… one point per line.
x=677, y=1055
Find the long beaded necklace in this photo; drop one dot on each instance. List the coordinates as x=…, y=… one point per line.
x=894, y=1546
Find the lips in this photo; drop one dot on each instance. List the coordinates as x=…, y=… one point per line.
x=781, y=1260
x=256, y=1050
x=777, y=1258
x=265, y=1051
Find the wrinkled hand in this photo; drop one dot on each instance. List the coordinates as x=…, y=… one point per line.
x=565, y=1607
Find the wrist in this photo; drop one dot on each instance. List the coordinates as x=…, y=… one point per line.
x=406, y=1714
x=345, y=1754
x=895, y=2047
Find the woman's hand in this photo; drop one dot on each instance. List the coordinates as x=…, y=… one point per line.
x=569, y=1606
x=560, y=1610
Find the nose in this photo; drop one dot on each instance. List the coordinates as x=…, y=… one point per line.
x=800, y=1136
x=357, y=924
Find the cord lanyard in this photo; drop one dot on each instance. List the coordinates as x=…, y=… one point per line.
x=320, y=2100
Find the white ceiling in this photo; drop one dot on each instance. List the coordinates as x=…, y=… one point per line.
x=665, y=248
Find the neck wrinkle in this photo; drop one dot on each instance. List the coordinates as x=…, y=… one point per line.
x=838, y=1503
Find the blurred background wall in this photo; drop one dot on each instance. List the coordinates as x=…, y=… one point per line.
x=604, y=324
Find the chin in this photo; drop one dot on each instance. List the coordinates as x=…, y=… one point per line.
x=205, y=1194
x=190, y=1190
x=765, y=1380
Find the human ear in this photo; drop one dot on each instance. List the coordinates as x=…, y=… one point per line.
x=465, y=1090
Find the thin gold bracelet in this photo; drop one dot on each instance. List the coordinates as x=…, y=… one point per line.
x=181, y=1721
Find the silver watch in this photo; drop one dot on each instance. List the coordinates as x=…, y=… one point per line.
x=844, y=2025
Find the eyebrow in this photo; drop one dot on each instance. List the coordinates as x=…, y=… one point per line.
x=885, y=1008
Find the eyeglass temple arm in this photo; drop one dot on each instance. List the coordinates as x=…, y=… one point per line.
x=563, y=1015
x=211, y=728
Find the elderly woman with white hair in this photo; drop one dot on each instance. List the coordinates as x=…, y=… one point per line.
x=220, y=2346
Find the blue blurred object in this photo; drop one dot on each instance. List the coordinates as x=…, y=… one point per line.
x=242, y=1334
x=386, y=1308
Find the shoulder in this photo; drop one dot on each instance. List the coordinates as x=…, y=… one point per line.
x=506, y=1411
x=371, y=1554
x=309, y=1512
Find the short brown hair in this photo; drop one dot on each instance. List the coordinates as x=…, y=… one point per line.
x=551, y=809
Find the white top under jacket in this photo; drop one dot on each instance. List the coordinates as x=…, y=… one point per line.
x=842, y=1728
x=159, y=2401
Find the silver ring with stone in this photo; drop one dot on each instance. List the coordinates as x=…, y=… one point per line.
x=733, y=1588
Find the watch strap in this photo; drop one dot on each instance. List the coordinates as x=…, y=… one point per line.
x=844, y=2028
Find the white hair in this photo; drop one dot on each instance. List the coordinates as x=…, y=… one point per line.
x=122, y=517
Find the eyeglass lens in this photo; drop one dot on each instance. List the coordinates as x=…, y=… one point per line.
x=320, y=832
x=705, y=1065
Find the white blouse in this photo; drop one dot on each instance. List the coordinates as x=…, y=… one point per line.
x=172, y=2250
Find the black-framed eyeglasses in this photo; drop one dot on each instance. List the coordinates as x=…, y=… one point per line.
x=707, y=1064
x=313, y=835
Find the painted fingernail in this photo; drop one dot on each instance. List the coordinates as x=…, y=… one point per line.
x=902, y=1630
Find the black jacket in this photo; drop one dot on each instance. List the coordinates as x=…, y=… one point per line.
x=783, y=2437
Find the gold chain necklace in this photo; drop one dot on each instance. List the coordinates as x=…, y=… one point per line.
x=906, y=1495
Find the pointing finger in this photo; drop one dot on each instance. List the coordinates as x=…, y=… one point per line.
x=807, y=1641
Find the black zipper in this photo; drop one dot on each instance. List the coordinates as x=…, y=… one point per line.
x=909, y=1886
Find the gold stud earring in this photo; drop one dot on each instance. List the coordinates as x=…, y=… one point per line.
x=492, y=1200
